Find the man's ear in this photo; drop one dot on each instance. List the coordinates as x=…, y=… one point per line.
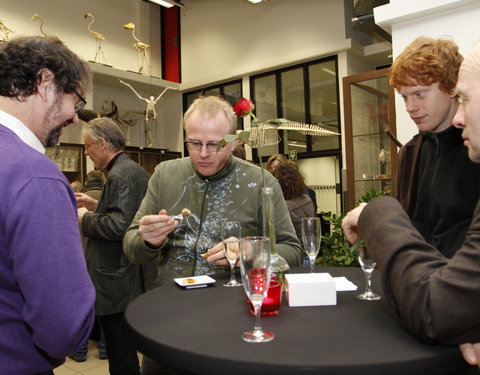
x=45, y=82
x=104, y=143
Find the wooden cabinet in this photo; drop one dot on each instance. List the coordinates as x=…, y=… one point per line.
x=70, y=159
x=369, y=119
x=149, y=158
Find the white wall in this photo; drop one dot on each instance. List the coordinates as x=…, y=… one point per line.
x=322, y=171
x=231, y=38
x=408, y=19
x=65, y=19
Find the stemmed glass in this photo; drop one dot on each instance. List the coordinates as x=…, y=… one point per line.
x=255, y=270
x=311, y=238
x=231, y=244
x=368, y=265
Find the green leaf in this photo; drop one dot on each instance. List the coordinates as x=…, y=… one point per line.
x=221, y=144
x=244, y=136
x=230, y=138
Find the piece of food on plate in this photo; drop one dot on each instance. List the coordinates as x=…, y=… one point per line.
x=189, y=281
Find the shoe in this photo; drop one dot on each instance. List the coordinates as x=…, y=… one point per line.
x=78, y=357
x=102, y=355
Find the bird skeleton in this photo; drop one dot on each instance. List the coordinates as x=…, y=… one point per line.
x=141, y=48
x=37, y=17
x=98, y=38
x=150, y=112
x=5, y=31
x=265, y=133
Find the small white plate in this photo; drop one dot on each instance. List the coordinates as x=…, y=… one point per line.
x=194, y=281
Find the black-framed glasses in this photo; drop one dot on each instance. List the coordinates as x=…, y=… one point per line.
x=197, y=146
x=80, y=103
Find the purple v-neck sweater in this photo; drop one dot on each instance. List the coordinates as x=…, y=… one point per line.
x=46, y=296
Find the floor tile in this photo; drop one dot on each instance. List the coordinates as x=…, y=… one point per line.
x=71, y=367
x=92, y=366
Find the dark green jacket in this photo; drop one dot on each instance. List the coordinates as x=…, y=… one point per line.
x=234, y=193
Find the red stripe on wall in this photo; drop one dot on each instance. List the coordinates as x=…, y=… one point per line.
x=171, y=67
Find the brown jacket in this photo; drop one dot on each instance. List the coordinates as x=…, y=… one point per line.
x=436, y=299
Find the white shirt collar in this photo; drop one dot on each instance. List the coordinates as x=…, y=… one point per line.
x=21, y=130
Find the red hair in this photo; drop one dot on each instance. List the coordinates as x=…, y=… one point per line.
x=427, y=61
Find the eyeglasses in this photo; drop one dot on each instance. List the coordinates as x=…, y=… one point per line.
x=80, y=103
x=197, y=146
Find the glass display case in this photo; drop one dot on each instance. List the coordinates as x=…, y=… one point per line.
x=370, y=130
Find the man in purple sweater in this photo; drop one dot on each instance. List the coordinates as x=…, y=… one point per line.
x=46, y=296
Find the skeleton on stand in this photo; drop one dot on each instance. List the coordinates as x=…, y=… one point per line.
x=150, y=112
x=143, y=58
x=36, y=17
x=98, y=39
x=4, y=31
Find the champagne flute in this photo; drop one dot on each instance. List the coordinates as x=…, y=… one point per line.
x=311, y=238
x=255, y=270
x=231, y=246
x=368, y=265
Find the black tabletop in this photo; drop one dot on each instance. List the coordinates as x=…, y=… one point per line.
x=200, y=330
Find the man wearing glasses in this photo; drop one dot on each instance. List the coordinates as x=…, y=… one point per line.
x=104, y=222
x=46, y=296
x=214, y=186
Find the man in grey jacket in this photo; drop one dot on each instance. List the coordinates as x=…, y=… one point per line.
x=117, y=281
x=435, y=298
x=214, y=186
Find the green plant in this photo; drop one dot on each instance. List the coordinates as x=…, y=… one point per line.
x=335, y=250
x=372, y=194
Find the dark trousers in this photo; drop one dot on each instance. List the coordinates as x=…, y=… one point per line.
x=122, y=356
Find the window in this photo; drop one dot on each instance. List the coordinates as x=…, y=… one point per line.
x=306, y=93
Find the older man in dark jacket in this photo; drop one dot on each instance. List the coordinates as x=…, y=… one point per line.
x=117, y=281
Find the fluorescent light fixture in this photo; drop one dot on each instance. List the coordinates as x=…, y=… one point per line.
x=163, y=3
x=167, y=3
x=254, y=1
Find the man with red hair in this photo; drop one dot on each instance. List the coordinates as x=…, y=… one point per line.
x=434, y=162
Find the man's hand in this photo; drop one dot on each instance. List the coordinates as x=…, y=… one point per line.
x=216, y=254
x=350, y=223
x=154, y=229
x=81, y=211
x=84, y=200
x=471, y=353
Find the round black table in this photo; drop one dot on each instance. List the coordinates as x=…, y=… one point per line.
x=199, y=330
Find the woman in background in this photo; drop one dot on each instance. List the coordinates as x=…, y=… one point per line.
x=293, y=187
x=277, y=159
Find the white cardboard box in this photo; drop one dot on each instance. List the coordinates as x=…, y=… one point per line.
x=310, y=289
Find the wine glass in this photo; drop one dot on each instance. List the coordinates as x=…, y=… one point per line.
x=311, y=238
x=255, y=270
x=368, y=265
x=231, y=246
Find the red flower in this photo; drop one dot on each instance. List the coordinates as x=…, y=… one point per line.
x=244, y=107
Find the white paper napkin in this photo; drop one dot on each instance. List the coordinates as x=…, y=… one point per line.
x=342, y=284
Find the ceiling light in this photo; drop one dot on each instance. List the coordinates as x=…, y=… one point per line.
x=167, y=3
x=255, y=1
